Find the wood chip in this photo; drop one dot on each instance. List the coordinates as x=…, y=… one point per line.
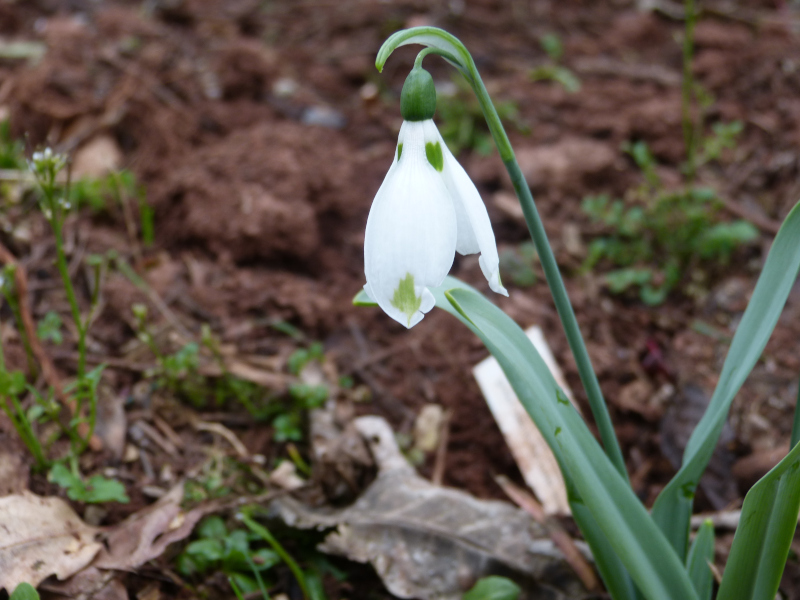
x=534, y=457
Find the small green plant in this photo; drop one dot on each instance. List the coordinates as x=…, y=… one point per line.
x=73, y=414
x=493, y=588
x=80, y=395
x=12, y=152
x=97, y=489
x=302, y=398
x=218, y=549
x=49, y=328
x=462, y=125
x=302, y=356
x=518, y=265
x=24, y=591
x=119, y=187
x=552, y=71
x=655, y=234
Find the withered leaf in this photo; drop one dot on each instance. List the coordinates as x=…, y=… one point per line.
x=146, y=534
x=427, y=541
x=40, y=537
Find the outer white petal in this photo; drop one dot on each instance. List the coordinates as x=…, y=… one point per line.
x=474, y=228
x=410, y=241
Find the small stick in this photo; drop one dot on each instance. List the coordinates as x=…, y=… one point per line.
x=21, y=281
x=441, y=449
x=560, y=537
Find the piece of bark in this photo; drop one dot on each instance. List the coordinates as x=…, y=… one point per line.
x=534, y=458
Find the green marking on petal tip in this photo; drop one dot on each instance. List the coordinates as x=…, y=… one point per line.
x=434, y=154
x=405, y=298
x=399, y=150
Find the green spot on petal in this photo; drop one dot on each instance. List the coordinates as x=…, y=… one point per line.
x=434, y=154
x=399, y=150
x=405, y=298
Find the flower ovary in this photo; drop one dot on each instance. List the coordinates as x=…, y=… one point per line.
x=418, y=98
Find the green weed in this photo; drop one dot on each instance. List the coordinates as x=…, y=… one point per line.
x=518, y=265
x=97, y=489
x=552, y=71
x=12, y=152
x=218, y=549
x=655, y=234
x=49, y=328
x=461, y=120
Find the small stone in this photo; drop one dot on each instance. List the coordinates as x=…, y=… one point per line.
x=97, y=158
x=323, y=116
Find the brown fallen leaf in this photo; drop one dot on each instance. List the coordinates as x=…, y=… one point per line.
x=426, y=541
x=42, y=537
x=146, y=534
x=89, y=584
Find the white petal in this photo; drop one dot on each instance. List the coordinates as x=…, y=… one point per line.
x=409, y=244
x=474, y=228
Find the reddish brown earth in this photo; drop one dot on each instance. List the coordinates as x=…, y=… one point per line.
x=260, y=215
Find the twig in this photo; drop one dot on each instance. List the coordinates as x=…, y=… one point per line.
x=441, y=450
x=763, y=223
x=560, y=537
x=156, y=437
x=223, y=431
x=21, y=281
x=114, y=363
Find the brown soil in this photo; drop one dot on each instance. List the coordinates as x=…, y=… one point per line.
x=260, y=213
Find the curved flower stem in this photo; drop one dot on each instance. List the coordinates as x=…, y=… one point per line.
x=449, y=47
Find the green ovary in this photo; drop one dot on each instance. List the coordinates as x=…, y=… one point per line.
x=405, y=298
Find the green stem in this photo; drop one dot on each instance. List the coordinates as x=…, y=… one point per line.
x=56, y=218
x=547, y=259
x=796, y=423
x=63, y=269
x=262, y=531
x=11, y=296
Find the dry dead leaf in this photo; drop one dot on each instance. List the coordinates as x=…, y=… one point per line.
x=427, y=541
x=146, y=534
x=89, y=584
x=14, y=472
x=42, y=537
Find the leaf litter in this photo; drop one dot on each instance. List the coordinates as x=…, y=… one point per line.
x=180, y=107
x=427, y=541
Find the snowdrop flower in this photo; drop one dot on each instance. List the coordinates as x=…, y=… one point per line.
x=426, y=209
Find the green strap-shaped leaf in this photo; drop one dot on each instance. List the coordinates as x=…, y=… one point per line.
x=701, y=557
x=618, y=513
x=673, y=507
x=613, y=572
x=765, y=532
x=613, y=519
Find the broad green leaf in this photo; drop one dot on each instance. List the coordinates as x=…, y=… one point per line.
x=673, y=507
x=611, y=569
x=24, y=591
x=701, y=557
x=493, y=588
x=618, y=513
x=765, y=532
